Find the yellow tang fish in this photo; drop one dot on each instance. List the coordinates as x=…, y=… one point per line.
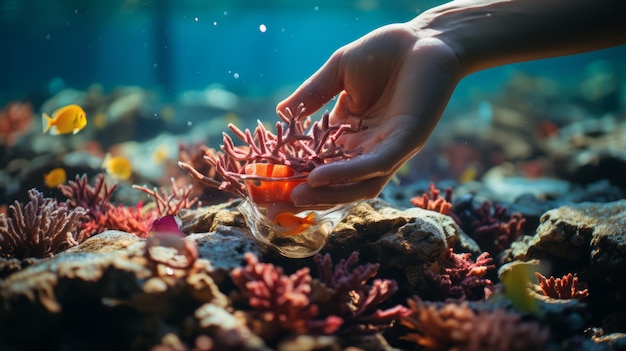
x=55, y=177
x=516, y=284
x=68, y=119
x=293, y=225
x=117, y=166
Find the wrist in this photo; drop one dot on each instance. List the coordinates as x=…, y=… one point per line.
x=488, y=33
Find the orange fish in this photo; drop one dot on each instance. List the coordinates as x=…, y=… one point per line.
x=55, y=177
x=293, y=225
x=68, y=119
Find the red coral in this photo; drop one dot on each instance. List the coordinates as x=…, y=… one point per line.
x=170, y=204
x=292, y=145
x=39, y=229
x=353, y=299
x=457, y=276
x=433, y=201
x=283, y=301
x=15, y=119
x=458, y=327
x=102, y=214
x=562, y=288
x=490, y=225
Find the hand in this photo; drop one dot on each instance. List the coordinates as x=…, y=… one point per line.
x=396, y=81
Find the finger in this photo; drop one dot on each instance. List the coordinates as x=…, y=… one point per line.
x=398, y=144
x=320, y=88
x=324, y=197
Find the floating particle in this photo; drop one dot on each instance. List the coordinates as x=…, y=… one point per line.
x=262, y=28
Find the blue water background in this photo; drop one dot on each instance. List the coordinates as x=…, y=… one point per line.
x=174, y=46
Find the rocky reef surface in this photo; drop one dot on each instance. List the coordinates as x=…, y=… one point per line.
x=388, y=279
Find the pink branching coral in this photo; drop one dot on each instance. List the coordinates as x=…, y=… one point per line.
x=39, y=229
x=457, y=327
x=15, y=119
x=562, y=288
x=102, y=214
x=170, y=204
x=292, y=145
x=457, y=276
x=353, y=299
x=433, y=201
x=491, y=226
x=282, y=301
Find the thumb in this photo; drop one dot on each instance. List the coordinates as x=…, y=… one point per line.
x=320, y=88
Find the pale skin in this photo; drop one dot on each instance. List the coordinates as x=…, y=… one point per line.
x=397, y=80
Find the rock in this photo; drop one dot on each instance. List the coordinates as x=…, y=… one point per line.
x=85, y=296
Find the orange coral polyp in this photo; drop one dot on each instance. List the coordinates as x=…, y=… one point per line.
x=271, y=183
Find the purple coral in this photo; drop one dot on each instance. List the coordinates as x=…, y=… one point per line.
x=353, y=299
x=39, y=229
x=292, y=145
x=490, y=225
x=457, y=276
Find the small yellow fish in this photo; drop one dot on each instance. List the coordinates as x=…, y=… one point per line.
x=68, y=119
x=293, y=225
x=517, y=284
x=55, y=177
x=117, y=166
x=160, y=154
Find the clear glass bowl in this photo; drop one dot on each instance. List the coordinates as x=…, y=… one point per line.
x=301, y=243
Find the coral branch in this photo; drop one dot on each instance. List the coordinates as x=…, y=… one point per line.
x=562, y=288
x=170, y=204
x=291, y=145
x=39, y=229
x=457, y=276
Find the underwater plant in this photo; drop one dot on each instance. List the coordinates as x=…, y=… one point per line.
x=15, y=119
x=457, y=276
x=40, y=229
x=562, y=288
x=456, y=326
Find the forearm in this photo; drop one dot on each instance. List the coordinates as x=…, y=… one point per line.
x=488, y=33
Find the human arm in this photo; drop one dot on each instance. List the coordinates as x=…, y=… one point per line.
x=398, y=79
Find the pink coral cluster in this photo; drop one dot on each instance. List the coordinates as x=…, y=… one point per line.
x=282, y=301
x=567, y=287
x=294, y=144
x=457, y=276
x=340, y=301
